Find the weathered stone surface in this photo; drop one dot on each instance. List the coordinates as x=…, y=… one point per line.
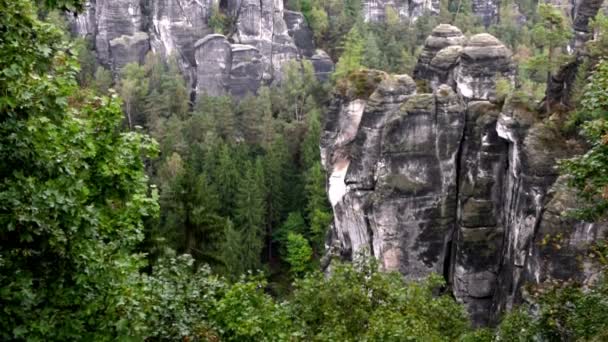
x=375, y=10
x=470, y=66
x=400, y=147
x=322, y=64
x=213, y=55
x=301, y=33
x=265, y=37
x=108, y=20
x=177, y=25
x=448, y=182
x=478, y=239
x=261, y=24
x=246, y=70
x=483, y=59
x=126, y=49
x=487, y=10
x=448, y=40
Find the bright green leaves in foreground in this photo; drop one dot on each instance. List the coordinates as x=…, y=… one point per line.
x=357, y=303
x=360, y=303
x=73, y=192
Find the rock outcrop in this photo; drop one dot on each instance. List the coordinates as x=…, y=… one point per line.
x=446, y=181
x=262, y=38
x=470, y=65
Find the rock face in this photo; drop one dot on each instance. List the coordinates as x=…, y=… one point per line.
x=470, y=65
x=375, y=10
x=448, y=182
x=263, y=37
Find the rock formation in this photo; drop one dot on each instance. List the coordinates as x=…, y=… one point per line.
x=263, y=36
x=560, y=83
x=447, y=181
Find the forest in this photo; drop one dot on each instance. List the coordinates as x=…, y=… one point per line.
x=130, y=211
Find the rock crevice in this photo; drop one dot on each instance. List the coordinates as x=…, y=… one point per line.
x=450, y=182
x=263, y=38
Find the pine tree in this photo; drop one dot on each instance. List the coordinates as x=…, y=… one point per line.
x=318, y=211
x=352, y=54
x=250, y=214
x=550, y=35
x=191, y=222
x=372, y=56
x=228, y=179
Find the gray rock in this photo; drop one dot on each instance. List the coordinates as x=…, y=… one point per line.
x=448, y=182
x=177, y=25
x=487, y=10
x=114, y=19
x=302, y=34
x=322, y=64
x=246, y=70
x=387, y=162
x=483, y=59
x=442, y=37
x=375, y=10
x=265, y=37
x=213, y=56
x=127, y=49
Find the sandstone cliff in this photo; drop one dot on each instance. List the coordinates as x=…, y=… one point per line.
x=263, y=36
x=451, y=182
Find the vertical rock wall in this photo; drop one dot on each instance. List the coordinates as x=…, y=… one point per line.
x=262, y=39
x=451, y=183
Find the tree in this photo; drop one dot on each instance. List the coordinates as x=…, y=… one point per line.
x=191, y=222
x=588, y=171
x=133, y=88
x=318, y=211
x=372, y=55
x=276, y=174
x=249, y=216
x=102, y=80
x=73, y=193
x=219, y=114
x=352, y=54
x=299, y=82
x=549, y=35
x=226, y=175
x=299, y=254
x=359, y=303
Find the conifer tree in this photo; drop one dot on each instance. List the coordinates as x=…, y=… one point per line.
x=250, y=213
x=228, y=179
x=352, y=54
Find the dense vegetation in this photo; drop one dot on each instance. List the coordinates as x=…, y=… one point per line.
x=106, y=234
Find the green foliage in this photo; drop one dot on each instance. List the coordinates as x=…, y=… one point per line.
x=180, y=298
x=73, y=193
x=297, y=89
x=351, y=57
x=358, y=302
x=102, y=81
x=249, y=215
x=588, y=171
x=246, y=313
x=549, y=36
x=294, y=223
x=218, y=21
x=598, y=47
x=504, y=87
x=299, y=254
x=565, y=313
